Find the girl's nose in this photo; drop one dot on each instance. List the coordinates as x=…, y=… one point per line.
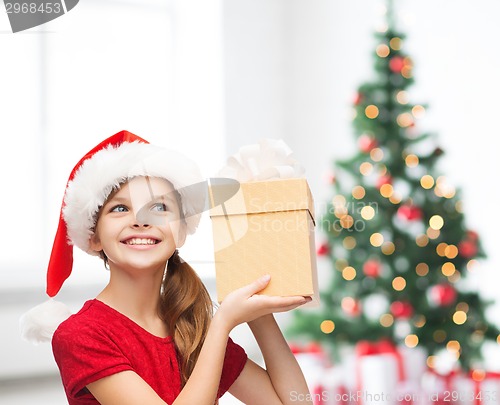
x=138, y=225
x=141, y=219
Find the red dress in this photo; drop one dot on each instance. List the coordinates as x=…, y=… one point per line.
x=99, y=341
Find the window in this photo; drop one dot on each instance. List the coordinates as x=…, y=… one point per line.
x=150, y=67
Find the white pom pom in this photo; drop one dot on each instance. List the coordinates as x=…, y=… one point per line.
x=39, y=323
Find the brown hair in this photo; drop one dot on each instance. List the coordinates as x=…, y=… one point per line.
x=186, y=307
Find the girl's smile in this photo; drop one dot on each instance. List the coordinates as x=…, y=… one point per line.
x=141, y=242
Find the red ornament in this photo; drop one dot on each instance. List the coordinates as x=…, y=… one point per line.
x=396, y=64
x=442, y=295
x=472, y=235
x=351, y=306
x=467, y=248
x=409, y=212
x=401, y=309
x=310, y=348
x=331, y=178
x=384, y=180
x=366, y=143
x=358, y=98
x=294, y=348
x=323, y=249
x=314, y=347
x=371, y=268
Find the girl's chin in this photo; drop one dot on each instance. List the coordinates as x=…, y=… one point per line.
x=138, y=261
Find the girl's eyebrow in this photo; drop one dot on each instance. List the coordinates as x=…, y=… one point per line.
x=168, y=197
x=118, y=199
x=162, y=197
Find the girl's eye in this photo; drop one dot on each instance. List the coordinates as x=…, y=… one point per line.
x=159, y=207
x=119, y=208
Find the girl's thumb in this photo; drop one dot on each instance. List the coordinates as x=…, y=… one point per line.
x=259, y=284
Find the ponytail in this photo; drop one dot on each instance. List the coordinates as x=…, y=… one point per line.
x=186, y=308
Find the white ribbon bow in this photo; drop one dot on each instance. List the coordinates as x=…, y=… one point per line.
x=267, y=160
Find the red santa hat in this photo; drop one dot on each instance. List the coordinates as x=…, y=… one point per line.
x=99, y=172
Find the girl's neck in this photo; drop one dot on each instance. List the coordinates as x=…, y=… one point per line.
x=135, y=297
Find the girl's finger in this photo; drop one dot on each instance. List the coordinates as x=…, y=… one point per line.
x=286, y=309
x=274, y=302
x=256, y=286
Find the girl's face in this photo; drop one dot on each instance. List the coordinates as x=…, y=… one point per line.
x=140, y=225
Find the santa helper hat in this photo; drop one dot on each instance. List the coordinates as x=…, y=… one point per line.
x=110, y=163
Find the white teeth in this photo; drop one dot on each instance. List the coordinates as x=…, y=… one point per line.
x=139, y=241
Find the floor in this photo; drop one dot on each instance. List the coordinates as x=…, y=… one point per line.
x=48, y=391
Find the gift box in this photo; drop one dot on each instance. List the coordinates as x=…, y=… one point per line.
x=440, y=387
x=380, y=373
x=476, y=388
x=326, y=382
x=265, y=227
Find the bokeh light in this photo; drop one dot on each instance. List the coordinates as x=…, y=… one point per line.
x=427, y=181
x=376, y=154
x=411, y=341
x=365, y=168
x=399, y=283
x=382, y=51
x=396, y=43
x=422, y=269
x=346, y=221
x=422, y=240
x=411, y=160
x=404, y=120
x=386, y=320
x=418, y=111
x=327, y=326
x=388, y=248
x=386, y=190
x=448, y=269
x=436, y=222
x=371, y=111
x=459, y=317
x=349, y=273
x=367, y=212
x=402, y=97
x=358, y=192
x=349, y=242
x=376, y=239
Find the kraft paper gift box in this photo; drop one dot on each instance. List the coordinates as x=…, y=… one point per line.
x=267, y=227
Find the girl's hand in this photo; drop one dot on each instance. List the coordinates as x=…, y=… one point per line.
x=245, y=305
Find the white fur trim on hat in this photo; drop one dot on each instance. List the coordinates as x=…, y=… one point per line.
x=99, y=175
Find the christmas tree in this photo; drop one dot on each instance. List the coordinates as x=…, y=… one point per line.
x=399, y=246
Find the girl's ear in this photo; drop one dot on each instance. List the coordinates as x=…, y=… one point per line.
x=95, y=243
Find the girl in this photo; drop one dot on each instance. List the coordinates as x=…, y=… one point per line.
x=149, y=337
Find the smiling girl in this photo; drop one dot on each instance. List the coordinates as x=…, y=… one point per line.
x=150, y=336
